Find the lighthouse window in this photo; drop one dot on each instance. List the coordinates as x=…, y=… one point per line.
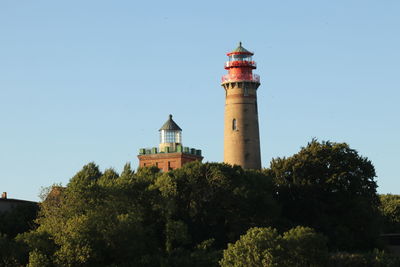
x=240, y=58
x=234, y=126
x=178, y=137
x=171, y=136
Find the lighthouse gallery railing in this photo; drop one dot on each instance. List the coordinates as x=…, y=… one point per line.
x=241, y=77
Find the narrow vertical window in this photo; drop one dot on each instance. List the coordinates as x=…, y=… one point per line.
x=246, y=91
x=234, y=126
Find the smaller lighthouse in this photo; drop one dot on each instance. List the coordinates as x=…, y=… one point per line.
x=170, y=154
x=170, y=136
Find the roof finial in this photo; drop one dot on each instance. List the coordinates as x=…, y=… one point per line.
x=170, y=116
x=240, y=44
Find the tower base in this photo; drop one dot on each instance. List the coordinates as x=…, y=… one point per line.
x=167, y=161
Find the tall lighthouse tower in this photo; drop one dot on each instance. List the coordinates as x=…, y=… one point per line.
x=241, y=133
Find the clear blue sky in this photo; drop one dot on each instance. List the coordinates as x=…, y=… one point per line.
x=93, y=80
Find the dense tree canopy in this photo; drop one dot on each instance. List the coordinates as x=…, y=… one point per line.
x=150, y=218
x=323, y=195
x=329, y=187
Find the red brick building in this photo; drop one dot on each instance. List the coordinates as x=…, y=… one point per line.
x=170, y=154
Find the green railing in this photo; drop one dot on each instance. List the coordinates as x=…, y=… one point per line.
x=179, y=149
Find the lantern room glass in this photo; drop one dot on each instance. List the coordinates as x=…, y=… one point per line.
x=170, y=136
x=240, y=57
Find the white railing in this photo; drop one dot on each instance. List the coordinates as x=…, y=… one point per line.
x=241, y=77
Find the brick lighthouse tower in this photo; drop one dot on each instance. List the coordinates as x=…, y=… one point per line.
x=241, y=133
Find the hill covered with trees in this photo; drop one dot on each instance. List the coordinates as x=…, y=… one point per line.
x=318, y=207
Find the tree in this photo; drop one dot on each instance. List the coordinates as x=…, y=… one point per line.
x=375, y=258
x=259, y=247
x=97, y=220
x=390, y=210
x=329, y=187
x=11, y=252
x=217, y=200
x=264, y=247
x=212, y=204
x=305, y=247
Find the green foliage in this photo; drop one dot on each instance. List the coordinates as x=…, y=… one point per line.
x=37, y=259
x=12, y=253
x=97, y=220
x=89, y=174
x=176, y=235
x=37, y=243
x=375, y=258
x=329, y=187
x=149, y=218
x=258, y=247
x=305, y=247
x=204, y=255
x=187, y=216
x=217, y=201
x=390, y=210
x=264, y=247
